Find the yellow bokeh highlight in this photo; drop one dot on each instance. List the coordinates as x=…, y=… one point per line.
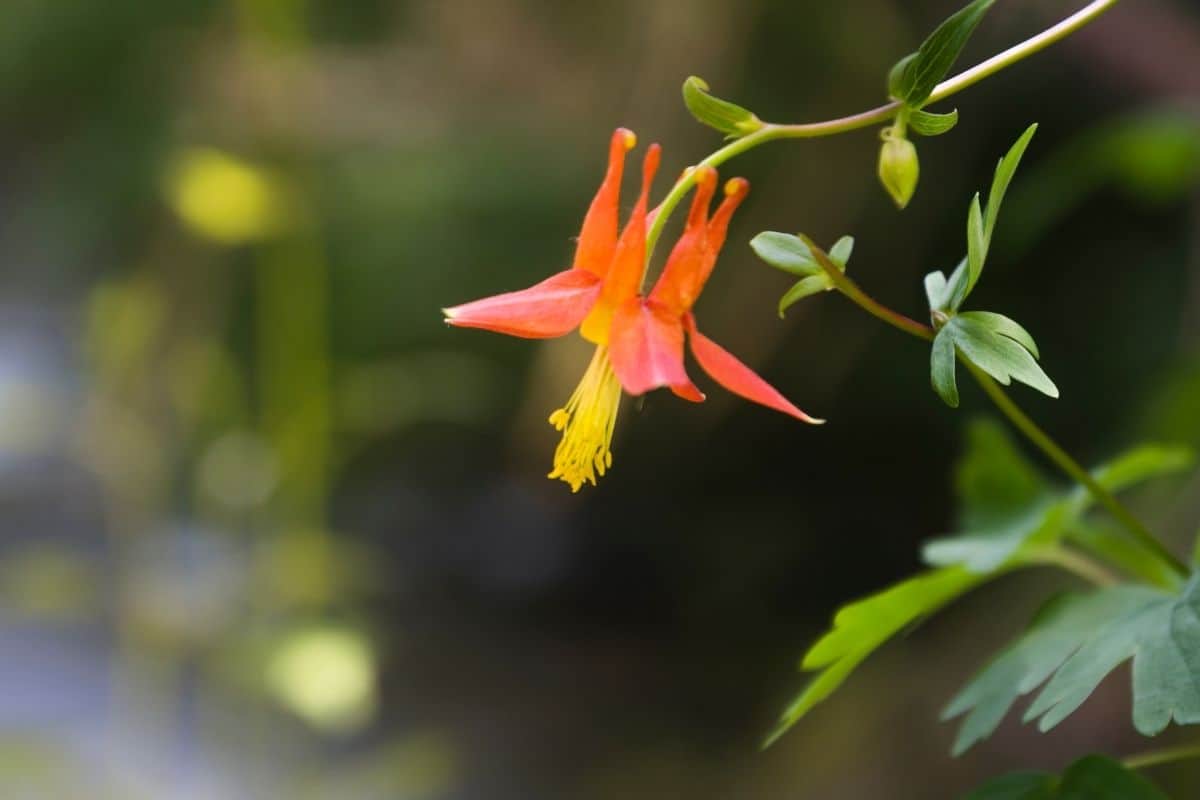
x=326, y=676
x=225, y=199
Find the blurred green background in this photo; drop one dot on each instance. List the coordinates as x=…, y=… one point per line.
x=272, y=530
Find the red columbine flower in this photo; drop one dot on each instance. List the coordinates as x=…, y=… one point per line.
x=639, y=340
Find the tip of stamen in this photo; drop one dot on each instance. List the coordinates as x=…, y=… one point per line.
x=628, y=138
x=736, y=186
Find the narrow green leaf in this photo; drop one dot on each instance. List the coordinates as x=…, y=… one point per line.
x=861, y=627
x=935, y=290
x=998, y=323
x=1141, y=464
x=1089, y=778
x=999, y=356
x=942, y=366
x=726, y=117
x=956, y=287
x=841, y=251
x=897, y=75
x=811, y=285
x=929, y=124
x=786, y=252
x=977, y=245
x=913, y=79
x=1004, y=175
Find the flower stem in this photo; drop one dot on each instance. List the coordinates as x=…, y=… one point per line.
x=1010, y=409
x=771, y=131
x=1154, y=758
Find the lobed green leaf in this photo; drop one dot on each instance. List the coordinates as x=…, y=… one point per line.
x=999, y=356
x=1059, y=629
x=1076, y=642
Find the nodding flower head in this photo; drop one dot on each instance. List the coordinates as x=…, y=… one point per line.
x=639, y=338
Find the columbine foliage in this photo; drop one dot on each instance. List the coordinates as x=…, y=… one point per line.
x=1010, y=511
x=914, y=77
x=1011, y=517
x=993, y=342
x=1089, y=778
x=793, y=255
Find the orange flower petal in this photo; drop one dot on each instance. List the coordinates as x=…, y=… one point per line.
x=735, y=192
x=735, y=376
x=646, y=350
x=629, y=260
x=598, y=237
x=551, y=308
x=679, y=284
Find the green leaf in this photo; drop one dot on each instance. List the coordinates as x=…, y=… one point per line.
x=942, y=366
x=1004, y=174
x=929, y=124
x=993, y=478
x=999, y=356
x=955, y=290
x=1162, y=636
x=913, y=78
x=861, y=627
x=998, y=323
x=1076, y=642
x=714, y=112
x=1089, y=778
x=811, y=285
x=986, y=550
x=935, y=290
x=841, y=251
x=977, y=245
x=1141, y=464
x=786, y=252
x=1058, y=630
x=982, y=222
x=1010, y=511
x=1006, y=505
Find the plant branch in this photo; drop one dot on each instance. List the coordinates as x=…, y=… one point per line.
x=1076, y=563
x=771, y=131
x=1156, y=757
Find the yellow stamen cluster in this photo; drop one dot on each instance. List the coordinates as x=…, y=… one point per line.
x=587, y=422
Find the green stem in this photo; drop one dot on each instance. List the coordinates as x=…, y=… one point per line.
x=1153, y=759
x=770, y=131
x=1010, y=409
x=1077, y=563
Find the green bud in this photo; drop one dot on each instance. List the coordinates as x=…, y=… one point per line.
x=899, y=168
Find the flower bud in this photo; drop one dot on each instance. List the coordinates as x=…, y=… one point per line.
x=899, y=168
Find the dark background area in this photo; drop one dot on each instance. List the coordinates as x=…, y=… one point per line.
x=272, y=530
